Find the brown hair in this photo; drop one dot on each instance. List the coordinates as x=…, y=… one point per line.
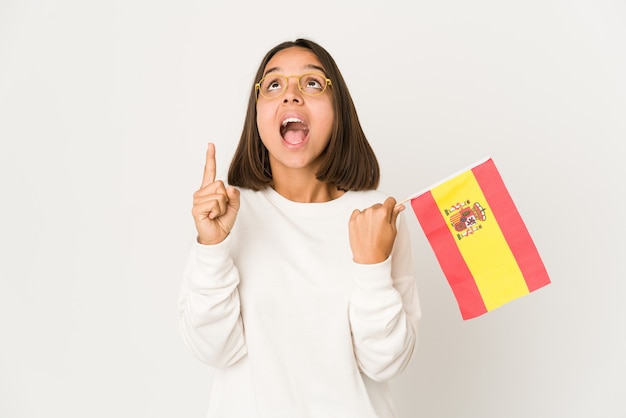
x=349, y=161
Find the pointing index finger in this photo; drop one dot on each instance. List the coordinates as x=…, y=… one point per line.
x=209, y=166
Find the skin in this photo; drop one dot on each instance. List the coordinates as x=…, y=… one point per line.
x=372, y=231
x=215, y=206
x=294, y=166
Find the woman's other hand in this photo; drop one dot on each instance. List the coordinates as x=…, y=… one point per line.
x=215, y=206
x=373, y=231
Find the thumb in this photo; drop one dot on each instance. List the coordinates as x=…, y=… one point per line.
x=389, y=203
x=233, y=197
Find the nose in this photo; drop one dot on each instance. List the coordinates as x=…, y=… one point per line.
x=293, y=93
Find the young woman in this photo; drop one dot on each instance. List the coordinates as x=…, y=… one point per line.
x=300, y=289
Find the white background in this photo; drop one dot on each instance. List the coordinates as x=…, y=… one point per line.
x=105, y=112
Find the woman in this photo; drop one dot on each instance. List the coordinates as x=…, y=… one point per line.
x=300, y=290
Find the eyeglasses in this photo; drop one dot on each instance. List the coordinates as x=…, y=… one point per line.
x=273, y=86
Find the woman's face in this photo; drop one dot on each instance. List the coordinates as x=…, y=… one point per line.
x=295, y=127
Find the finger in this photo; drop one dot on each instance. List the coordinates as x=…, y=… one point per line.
x=209, y=166
x=396, y=211
x=354, y=214
x=215, y=188
x=209, y=206
x=402, y=205
x=390, y=205
x=233, y=197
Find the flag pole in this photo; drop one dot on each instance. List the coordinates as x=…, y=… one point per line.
x=413, y=196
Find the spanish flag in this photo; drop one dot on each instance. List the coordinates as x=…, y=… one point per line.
x=479, y=239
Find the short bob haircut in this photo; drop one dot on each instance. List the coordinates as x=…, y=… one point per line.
x=349, y=163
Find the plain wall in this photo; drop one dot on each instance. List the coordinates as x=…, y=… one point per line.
x=105, y=112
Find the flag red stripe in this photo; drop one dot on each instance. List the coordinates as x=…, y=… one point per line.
x=449, y=257
x=511, y=224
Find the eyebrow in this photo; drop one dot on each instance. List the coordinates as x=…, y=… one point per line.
x=308, y=67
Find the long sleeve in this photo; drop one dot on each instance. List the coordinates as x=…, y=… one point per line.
x=384, y=311
x=209, y=306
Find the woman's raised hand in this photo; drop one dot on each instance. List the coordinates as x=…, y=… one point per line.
x=373, y=231
x=215, y=206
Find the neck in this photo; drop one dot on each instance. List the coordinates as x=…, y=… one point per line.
x=304, y=188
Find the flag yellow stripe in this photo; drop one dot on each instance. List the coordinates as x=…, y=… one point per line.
x=486, y=252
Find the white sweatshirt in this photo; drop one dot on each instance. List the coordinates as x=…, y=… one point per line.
x=293, y=326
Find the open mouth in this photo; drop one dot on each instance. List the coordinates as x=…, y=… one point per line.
x=294, y=131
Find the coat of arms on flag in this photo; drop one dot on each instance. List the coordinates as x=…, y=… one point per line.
x=479, y=239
